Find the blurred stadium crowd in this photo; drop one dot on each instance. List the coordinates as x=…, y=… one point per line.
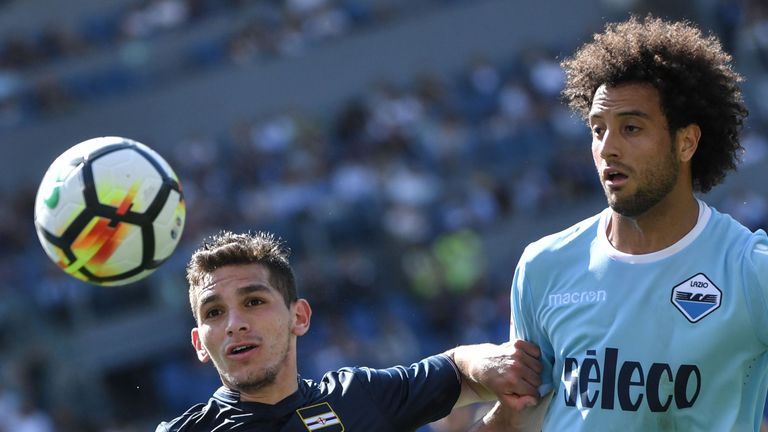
x=388, y=201
x=234, y=32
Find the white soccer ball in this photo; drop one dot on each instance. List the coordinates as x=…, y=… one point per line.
x=109, y=211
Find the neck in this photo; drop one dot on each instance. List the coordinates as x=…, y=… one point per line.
x=270, y=394
x=656, y=229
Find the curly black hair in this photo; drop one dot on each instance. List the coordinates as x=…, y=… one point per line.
x=691, y=72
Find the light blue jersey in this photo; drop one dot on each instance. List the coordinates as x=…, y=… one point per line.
x=675, y=340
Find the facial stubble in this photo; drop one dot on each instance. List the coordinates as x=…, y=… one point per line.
x=263, y=377
x=659, y=184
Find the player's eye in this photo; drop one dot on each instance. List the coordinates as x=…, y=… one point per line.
x=254, y=302
x=631, y=128
x=212, y=313
x=597, y=130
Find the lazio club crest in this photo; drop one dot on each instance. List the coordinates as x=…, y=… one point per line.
x=696, y=297
x=320, y=417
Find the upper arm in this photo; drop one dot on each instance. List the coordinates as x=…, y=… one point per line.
x=524, y=323
x=415, y=395
x=521, y=321
x=163, y=427
x=757, y=270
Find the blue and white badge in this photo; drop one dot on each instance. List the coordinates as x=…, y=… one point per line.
x=320, y=416
x=696, y=297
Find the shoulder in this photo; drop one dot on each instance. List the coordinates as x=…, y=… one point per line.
x=724, y=224
x=202, y=416
x=728, y=234
x=574, y=238
x=432, y=367
x=753, y=277
x=436, y=374
x=401, y=397
x=757, y=254
x=439, y=364
x=184, y=422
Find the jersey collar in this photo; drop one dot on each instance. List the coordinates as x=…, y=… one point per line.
x=289, y=404
x=704, y=215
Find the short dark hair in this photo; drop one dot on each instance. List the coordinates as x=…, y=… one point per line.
x=227, y=248
x=691, y=72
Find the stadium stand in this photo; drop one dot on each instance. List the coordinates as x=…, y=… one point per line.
x=407, y=184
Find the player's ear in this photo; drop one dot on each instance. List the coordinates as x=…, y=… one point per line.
x=688, y=141
x=302, y=314
x=202, y=354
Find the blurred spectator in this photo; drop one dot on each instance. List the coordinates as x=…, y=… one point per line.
x=29, y=418
x=755, y=145
x=387, y=200
x=756, y=31
x=748, y=207
x=9, y=408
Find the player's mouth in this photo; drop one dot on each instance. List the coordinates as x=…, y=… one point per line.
x=614, y=178
x=240, y=350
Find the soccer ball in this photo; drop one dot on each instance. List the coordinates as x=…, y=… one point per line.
x=109, y=211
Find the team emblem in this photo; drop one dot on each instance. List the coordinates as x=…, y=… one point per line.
x=320, y=417
x=696, y=297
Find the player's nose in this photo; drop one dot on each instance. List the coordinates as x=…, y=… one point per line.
x=236, y=322
x=609, y=146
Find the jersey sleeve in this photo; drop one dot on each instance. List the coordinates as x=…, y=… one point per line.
x=524, y=325
x=415, y=395
x=757, y=275
x=171, y=426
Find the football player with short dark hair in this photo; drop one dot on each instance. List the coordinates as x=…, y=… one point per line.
x=243, y=296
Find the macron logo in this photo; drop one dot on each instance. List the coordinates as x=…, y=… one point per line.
x=577, y=298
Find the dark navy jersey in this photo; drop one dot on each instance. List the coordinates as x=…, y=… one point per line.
x=398, y=399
